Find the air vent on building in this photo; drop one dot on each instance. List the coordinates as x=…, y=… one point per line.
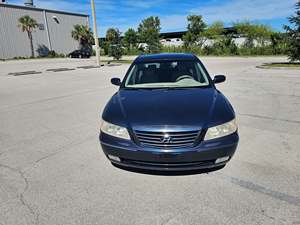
x=55, y=19
x=41, y=26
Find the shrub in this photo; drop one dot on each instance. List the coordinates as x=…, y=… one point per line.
x=133, y=51
x=52, y=54
x=115, y=51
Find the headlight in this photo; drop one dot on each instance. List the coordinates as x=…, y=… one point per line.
x=221, y=130
x=114, y=130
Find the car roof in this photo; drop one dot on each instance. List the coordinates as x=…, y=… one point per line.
x=165, y=56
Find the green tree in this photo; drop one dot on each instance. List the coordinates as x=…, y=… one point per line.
x=28, y=24
x=130, y=38
x=113, y=36
x=294, y=35
x=214, y=33
x=84, y=35
x=188, y=40
x=279, y=43
x=262, y=34
x=226, y=45
x=195, y=31
x=245, y=28
x=148, y=32
x=113, y=40
x=215, y=30
x=254, y=32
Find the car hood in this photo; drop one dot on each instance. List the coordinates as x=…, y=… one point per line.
x=165, y=109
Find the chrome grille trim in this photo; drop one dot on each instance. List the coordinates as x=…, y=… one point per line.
x=177, y=139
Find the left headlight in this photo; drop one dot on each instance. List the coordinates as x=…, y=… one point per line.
x=114, y=130
x=221, y=130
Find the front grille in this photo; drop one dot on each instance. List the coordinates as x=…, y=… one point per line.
x=167, y=139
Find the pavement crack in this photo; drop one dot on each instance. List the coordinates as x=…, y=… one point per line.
x=269, y=118
x=21, y=197
x=168, y=220
x=285, y=143
x=64, y=148
x=26, y=204
x=263, y=212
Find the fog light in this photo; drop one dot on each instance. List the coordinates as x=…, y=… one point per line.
x=115, y=158
x=222, y=159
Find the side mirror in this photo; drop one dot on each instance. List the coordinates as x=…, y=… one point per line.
x=219, y=79
x=116, y=81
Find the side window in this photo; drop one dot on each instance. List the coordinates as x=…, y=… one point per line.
x=132, y=76
x=201, y=74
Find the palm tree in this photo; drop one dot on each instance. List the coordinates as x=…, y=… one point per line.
x=28, y=24
x=83, y=34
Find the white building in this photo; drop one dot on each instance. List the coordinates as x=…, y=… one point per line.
x=53, y=31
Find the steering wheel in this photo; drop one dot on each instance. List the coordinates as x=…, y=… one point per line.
x=184, y=77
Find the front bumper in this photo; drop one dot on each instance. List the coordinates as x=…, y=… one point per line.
x=202, y=156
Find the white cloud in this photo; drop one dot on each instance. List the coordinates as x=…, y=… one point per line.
x=246, y=9
x=173, y=22
x=112, y=13
x=232, y=11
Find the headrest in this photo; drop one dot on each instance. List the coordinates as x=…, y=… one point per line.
x=152, y=67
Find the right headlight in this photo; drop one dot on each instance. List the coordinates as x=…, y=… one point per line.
x=114, y=130
x=221, y=130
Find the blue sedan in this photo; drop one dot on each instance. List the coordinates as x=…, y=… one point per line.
x=168, y=115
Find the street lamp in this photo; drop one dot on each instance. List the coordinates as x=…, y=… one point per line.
x=95, y=32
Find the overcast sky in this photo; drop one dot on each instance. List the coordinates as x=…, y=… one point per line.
x=123, y=14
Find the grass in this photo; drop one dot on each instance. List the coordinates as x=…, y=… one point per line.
x=282, y=65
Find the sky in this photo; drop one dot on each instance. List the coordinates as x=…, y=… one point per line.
x=123, y=14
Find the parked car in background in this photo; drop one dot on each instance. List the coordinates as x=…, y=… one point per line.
x=168, y=115
x=80, y=53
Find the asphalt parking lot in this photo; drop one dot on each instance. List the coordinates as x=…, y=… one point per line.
x=53, y=171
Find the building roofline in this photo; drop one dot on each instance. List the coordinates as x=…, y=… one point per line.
x=42, y=9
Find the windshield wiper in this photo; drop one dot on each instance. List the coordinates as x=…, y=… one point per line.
x=139, y=88
x=166, y=88
x=182, y=88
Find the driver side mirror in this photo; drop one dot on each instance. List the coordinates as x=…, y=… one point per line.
x=219, y=79
x=116, y=81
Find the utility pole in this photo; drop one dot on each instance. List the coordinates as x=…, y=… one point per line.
x=95, y=32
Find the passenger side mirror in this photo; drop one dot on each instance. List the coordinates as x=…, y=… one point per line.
x=116, y=81
x=219, y=79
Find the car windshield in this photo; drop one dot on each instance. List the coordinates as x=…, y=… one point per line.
x=167, y=74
